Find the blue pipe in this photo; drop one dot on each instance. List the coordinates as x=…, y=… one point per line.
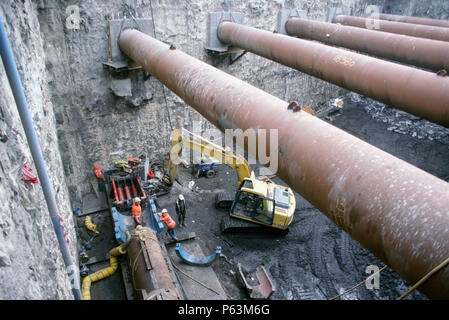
x=33, y=142
x=194, y=260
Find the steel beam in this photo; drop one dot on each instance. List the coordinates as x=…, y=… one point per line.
x=415, y=91
x=420, y=52
x=397, y=211
x=415, y=20
x=409, y=29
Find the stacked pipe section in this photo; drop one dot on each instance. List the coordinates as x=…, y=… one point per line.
x=419, y=92
x=394, y=209
x=410, y=29
x=426, y=53
x=415, y=20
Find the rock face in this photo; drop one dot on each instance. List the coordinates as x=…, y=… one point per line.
x=31, y=266
x=59, y=49
x=430, y=8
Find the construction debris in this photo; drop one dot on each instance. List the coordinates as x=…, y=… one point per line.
x=402, y=122
x=181, y=237
x=259, y=284
x=28, y=176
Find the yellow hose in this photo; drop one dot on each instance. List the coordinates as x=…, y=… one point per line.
x=103, y=273
x=90, y=225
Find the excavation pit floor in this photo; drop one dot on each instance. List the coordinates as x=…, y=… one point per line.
x=316, y=260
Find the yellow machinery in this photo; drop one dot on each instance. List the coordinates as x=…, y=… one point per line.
x=90, y=225
x=258, y=201
x=203, y=146
x=103, y=273
x=148, y=268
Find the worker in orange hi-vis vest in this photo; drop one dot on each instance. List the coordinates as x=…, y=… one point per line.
x=169, y=222
x=137, y=211
x=98, y=172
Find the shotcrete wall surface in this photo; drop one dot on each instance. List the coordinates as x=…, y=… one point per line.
x=60, y=47
x=31, y=266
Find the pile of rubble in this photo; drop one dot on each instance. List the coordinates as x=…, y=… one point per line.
x=402, y=122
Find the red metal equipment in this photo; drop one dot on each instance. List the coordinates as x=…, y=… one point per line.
x=127, y=192
x=121, y=198
x=133, y=190
x=142, y=193
x=116, y=199
x=126, y=188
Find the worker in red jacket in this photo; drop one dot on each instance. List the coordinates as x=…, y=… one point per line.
x=169, y=222
x=137, y=211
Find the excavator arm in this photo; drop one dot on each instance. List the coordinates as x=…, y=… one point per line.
x=203, y=146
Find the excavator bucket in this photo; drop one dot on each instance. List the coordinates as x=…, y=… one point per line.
x=259, y=285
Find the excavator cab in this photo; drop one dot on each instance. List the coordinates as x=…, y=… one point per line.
x=250, y=206
x=264, y=203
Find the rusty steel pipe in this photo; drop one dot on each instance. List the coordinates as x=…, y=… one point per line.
x=415, y=91
x=148, y=269
x=409, y=29
x=415, y=20
x=394, y=209
x=420, y=52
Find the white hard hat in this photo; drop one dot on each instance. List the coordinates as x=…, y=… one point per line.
x=181, y=197
x=136, y=199
x=164, y=210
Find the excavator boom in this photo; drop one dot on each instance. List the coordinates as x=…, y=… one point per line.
x=204, y=147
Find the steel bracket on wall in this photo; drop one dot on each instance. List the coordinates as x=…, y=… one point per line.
x=213, y=20
x=118, y=65
x=284, y=15
x=332, y=13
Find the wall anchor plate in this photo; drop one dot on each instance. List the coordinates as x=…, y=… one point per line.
x=213, y=20
x=118, y=64
x=285, y=14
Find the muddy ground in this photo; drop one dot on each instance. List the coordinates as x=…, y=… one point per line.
x=316, y=259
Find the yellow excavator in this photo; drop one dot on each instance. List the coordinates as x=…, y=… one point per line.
x=256, y=201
